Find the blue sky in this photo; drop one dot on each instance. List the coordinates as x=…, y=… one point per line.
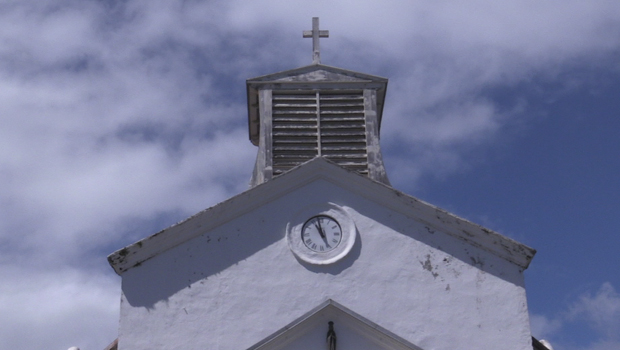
x=553, y=185
x=119, y=118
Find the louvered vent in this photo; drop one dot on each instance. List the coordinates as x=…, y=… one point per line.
x=298, y=116
x=294, y=129
x=343, y=130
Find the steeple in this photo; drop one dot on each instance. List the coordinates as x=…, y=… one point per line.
x=316, y=110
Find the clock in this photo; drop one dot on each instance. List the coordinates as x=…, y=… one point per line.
x=321, y=233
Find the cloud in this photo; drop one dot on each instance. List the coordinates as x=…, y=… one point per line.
x=543, y=327
x=598, y=311
x=64, y=308
x=108, y=135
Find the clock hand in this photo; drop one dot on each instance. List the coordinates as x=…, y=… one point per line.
x=322, y=233
x=318, y=228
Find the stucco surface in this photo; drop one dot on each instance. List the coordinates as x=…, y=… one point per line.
x=231, y=287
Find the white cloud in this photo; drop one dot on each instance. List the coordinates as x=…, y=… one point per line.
x=57, y=309
x=601, y=311
x=598, y=311
x=543, y=327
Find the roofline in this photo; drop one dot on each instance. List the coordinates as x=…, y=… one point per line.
x=311, y=67
x=319, y=167
x=252, y=85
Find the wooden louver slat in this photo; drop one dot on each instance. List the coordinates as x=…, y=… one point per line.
x=295, y=129
x=343, y=130
x=307, y=124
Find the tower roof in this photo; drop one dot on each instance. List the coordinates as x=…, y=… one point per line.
x=312, y=77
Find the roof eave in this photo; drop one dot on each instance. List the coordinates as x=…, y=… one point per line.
x=436, y=218
x=274, y=80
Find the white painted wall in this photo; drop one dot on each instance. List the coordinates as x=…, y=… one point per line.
x=239, y=283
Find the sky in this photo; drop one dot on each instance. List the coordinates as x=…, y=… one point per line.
x=121, y=118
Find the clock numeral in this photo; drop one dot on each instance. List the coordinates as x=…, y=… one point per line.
x=334, y=240
x=334, y=227
x=306, y=234
x=308, y=241
x=321, y=248
x=314, y=246
x=336, y=233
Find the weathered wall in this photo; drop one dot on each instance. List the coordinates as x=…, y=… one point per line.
x=239, y=283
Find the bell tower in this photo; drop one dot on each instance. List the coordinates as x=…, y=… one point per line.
x=325, y=255
x=316, y=111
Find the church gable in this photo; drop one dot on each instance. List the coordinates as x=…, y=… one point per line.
x=433, y=219
x=232, y=270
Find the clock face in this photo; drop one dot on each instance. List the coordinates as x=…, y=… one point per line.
x=321, y=234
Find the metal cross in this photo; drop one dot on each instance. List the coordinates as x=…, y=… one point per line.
x=315, y=34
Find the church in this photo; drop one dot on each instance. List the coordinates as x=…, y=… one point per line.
x=321, y=252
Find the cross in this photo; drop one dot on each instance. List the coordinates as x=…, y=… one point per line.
x=315, y=34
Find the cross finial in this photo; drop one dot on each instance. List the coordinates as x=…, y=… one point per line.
x=315, y=34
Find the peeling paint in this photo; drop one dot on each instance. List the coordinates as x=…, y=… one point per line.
x=226, y=278
x=469, y=234
x=432, y=217
x=477, y=261
x=428, y=266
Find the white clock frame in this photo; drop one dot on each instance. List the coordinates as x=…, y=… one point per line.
x=301, y=251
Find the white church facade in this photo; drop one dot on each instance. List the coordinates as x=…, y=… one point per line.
x=321, y=252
